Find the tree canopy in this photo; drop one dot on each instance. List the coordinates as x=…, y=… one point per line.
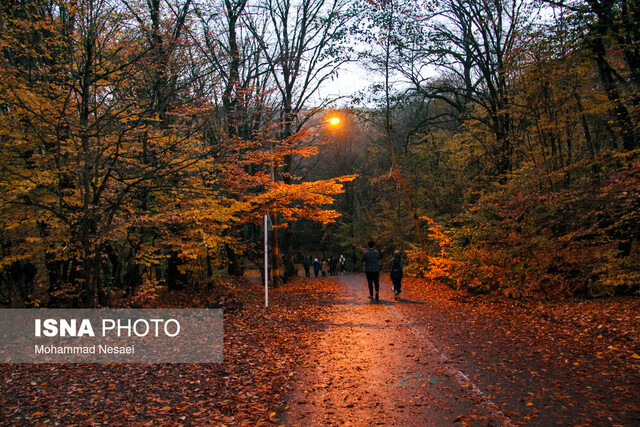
x=141, y=142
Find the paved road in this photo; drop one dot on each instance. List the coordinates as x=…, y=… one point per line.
x=373, y=365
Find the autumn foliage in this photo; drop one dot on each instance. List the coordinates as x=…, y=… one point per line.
x=520, y=156
x=119, y=163
x=142, y=142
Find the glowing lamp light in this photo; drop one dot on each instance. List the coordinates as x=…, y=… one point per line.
x=334, y=121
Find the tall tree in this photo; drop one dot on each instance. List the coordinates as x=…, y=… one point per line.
x=89, y=161
x=304, y=48
x=613, y=35
x=381, y=32
x=473, y=44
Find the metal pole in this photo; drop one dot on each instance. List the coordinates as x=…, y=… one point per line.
x=266, y=263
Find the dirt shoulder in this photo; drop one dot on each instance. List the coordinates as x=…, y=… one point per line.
x=570, y=362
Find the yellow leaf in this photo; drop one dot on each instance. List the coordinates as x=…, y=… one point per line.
x=635, y=356
x=35, y=414
x=272, y=414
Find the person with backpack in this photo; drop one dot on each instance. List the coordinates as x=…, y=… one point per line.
x=396, y=274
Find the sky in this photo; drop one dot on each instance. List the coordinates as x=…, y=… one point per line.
x=352, y=79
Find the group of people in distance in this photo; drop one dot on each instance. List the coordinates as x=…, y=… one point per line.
x=324, y=267
x=371, y=265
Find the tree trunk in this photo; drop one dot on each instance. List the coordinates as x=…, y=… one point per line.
x=619, y=110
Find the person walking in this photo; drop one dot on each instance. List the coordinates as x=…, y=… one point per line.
x=316, y=267
x=343, y=263
x=306, y=263
x=370, y=259
x=396, y=274
x=325, y=267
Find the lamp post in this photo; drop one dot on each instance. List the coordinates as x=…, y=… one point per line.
x=268, y=226
x=333, y=121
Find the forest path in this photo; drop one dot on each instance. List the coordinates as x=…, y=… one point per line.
x=372, y=364
x=440, y=356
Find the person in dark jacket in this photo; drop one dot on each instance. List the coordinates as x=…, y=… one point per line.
x=316, y=267
x=371, y=259
x=396, y=274
x=306, y=263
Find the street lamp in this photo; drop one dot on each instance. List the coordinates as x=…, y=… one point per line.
x=334, y=121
